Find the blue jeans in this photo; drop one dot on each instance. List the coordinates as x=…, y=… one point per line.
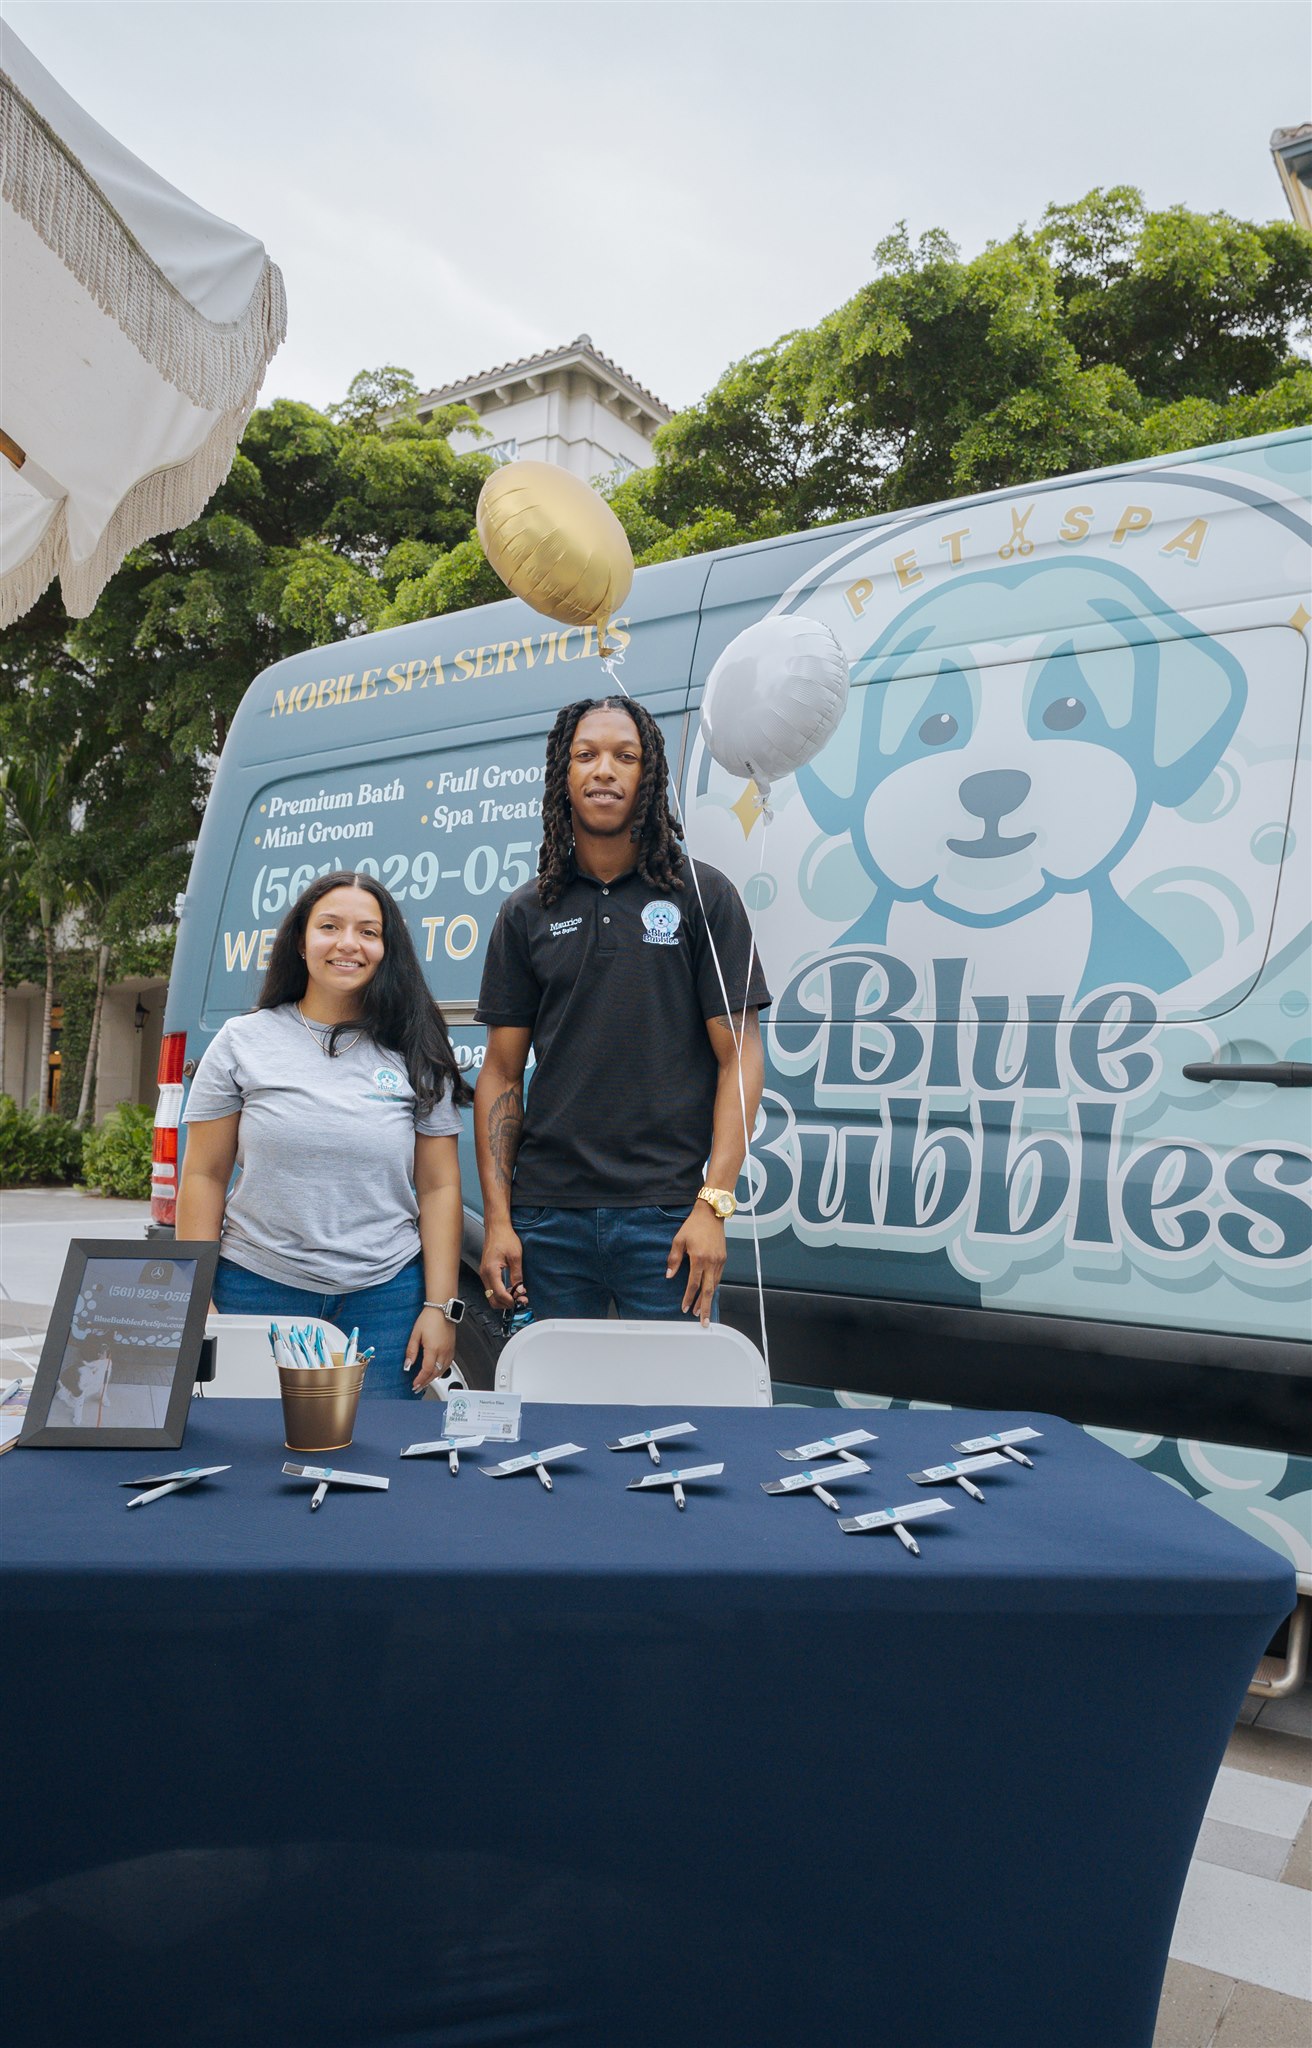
x=385, y=1315
x=577, y=1261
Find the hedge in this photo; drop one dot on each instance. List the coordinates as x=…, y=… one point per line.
x=38, y=1151
x=116, y=1155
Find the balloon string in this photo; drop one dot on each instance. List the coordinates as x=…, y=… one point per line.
x=610, y=667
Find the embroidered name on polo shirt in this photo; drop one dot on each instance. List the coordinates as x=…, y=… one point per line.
x=661, y=922
x=564, y=926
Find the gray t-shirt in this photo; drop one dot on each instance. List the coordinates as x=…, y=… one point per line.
x=324, y=1196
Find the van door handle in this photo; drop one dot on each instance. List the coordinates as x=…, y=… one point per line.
x=1281, y=1073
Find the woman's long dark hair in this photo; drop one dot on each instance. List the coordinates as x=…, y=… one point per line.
x=660, y=856
x=396, y=1009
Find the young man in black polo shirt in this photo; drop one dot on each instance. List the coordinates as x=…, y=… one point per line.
x=613, y=1181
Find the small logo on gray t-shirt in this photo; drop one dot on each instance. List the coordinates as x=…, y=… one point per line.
x=388, y=1078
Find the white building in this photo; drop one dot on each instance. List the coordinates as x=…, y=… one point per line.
x=130, y=1029
x=572, y=406
x=1292, y=150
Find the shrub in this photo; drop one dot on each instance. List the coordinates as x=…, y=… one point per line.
x=36, y=1151
x=116, y=1156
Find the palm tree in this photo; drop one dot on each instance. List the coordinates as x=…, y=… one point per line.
x=36, y=791
x=92, y=899
x=11, y=891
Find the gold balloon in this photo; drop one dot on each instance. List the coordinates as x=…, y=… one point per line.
x=555, y=543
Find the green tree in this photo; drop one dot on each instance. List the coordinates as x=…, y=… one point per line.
x=1109, y=333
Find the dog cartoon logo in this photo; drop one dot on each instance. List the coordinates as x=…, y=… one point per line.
x=388, y=1080
x=660, y=924
x=1021, y=725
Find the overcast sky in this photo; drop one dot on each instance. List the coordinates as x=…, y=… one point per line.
x=448, y=187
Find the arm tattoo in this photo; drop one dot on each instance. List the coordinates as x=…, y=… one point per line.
x=505, y=1127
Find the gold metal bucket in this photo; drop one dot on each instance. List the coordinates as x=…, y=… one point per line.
x=318, y=1407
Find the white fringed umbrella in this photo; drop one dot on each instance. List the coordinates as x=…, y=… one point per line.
x=135, y=331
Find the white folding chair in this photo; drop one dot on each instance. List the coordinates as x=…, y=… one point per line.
x=243, y=1363
x=608, y=1362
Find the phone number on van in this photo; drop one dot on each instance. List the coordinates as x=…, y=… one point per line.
x=408, y=877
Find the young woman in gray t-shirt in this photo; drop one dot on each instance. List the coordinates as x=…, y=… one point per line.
x=338, y=1098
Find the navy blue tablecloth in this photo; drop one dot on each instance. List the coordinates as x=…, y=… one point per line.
x=470, y=1763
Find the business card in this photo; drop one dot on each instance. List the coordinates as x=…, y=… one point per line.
x=491, y=1417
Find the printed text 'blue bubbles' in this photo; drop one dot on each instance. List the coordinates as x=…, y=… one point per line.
x=774, y=698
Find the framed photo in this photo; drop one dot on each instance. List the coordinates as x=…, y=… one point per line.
x=120, y=1357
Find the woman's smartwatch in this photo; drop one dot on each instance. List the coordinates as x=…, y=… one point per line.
x=453, y=1310
x=718, y=1199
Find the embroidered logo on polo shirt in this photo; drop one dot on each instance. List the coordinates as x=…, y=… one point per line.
x=564, y=926
x=661, y=921
x=389, y=1079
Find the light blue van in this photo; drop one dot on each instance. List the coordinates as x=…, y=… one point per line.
x=1037, y=1129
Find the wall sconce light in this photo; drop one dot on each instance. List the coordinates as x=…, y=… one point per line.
x=140, y=1014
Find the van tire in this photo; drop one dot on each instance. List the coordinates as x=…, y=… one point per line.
x=479, y=1338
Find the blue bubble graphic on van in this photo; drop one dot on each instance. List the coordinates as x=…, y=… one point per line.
x=1272, y=844
x=1217, y=796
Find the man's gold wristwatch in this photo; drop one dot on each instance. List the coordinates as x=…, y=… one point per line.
x=720, y=1200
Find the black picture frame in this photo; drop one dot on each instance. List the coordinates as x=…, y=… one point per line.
x=124, y=1336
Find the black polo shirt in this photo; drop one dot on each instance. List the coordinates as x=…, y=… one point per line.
x=616, y=982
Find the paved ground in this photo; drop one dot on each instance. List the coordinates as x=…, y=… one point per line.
x=36, y=1225
x=1240, y=1974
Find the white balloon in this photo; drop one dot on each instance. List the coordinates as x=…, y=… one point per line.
x=774, y=697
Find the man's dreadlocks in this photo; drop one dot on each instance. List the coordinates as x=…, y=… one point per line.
x=660, y=856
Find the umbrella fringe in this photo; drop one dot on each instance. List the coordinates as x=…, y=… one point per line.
x=23, y=584
x=158, y=503
x=217, y=365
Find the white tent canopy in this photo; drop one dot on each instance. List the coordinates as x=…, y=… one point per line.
x=135, y=331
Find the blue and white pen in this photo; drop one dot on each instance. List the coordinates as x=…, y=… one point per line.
x=318, y=1344
x=351, y=1347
